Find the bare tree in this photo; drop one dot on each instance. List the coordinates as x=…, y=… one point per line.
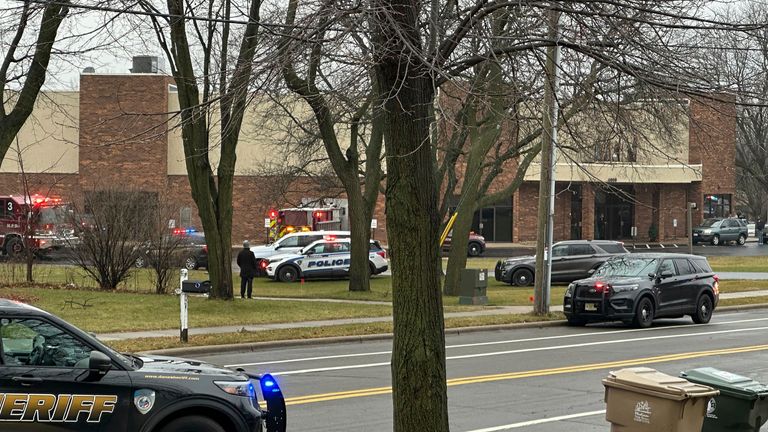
x=113, y=229
x=359, y=167
x=162, y=247
x=27, y=64
x=206, y=29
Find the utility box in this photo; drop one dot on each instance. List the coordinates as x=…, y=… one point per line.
x=741, y=406
x=644, y=400
x=196, y=287
x=473, y=284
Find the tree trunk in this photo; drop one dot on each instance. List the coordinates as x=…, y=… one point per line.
x=419, y=390
x=457, y=257
x=360, y=233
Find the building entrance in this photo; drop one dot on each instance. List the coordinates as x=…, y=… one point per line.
x=614, y=213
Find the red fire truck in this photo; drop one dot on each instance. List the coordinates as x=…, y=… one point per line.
x=42, y=221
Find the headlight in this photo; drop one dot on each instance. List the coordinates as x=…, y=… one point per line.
x=623, y=288
x=707, y=231
x=569, y=291
x=238, y=388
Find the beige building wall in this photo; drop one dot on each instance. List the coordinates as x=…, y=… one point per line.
x=656, y=140
x=263, y=137
x=48, y=141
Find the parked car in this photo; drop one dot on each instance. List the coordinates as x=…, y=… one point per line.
x=638, y=288
x=326, y=259
x=571, y=260
x=475, y=247
x=55, y=377
x=721, y=231
x=191, y=252
x=291, y=244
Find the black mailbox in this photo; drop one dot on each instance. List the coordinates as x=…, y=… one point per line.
x=196, y=287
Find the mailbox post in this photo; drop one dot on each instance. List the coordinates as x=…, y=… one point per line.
x=184, y=306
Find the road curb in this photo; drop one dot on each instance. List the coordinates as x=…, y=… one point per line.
x=258, y=346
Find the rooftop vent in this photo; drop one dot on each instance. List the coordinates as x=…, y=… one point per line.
x=146, y=64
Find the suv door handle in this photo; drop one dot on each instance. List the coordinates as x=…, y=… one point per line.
x=26, y=380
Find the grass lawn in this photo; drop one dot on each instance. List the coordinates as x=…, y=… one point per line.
x=136, y=345
x=120, y=311
x=739, y=263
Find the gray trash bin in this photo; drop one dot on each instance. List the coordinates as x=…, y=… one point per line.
x=472, y=287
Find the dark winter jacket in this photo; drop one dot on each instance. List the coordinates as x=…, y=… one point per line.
x=247, y=263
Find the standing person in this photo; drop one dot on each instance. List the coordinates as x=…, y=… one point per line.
x=246, y=260
x=760, y=227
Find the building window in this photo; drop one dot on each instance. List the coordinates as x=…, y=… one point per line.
x=716, y=206
x=185, y=217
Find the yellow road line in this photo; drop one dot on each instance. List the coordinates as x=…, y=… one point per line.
x=529, y=374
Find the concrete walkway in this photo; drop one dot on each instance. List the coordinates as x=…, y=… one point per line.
x=500, y=310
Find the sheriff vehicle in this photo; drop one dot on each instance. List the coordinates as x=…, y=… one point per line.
x=328, y=258
x=55, y=377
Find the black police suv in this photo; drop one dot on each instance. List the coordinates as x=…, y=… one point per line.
x=55, y=377
x=640, y=287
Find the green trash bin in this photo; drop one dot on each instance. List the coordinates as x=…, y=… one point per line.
x=741, y=406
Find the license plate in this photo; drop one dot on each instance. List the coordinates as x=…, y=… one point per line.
x=590, y=306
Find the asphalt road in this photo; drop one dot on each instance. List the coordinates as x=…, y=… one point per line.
x=545, y=379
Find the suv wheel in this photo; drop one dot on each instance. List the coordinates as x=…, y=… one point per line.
x=288, y=274
x=190, y=263
x=716, y=240
x=703, y=310
x=644, y=313
x=742, y=239
x=522, y=277
x=193, y=424
x=474, y=249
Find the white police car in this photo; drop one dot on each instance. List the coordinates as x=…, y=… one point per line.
x=326, y=259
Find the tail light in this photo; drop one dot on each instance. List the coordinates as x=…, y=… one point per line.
x=263, y=264
x=382, y=253
x=205, y=248
x=716, y=285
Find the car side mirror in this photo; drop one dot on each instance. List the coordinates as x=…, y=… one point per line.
x=651, y=275
x=667, y=273
x=591, y=271
x=310, y=252
x=99, y=364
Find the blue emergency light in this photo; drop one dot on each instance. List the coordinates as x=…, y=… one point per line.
x=275, y=416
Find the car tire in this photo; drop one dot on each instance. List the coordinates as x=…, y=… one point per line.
x=742, y=240
x=288, y=274
x=643, y=313
x=190, y=263
x=716, y=240
x=576, y=322
x=703, y=310
x=193, y=424
x=371, y=269
x=522, y=277
x=14, y=247
x=474, y=249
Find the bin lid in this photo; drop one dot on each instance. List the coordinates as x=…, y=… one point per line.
x=727, y=382
x=657, y=382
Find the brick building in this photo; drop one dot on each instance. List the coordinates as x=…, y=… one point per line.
x=116, y=130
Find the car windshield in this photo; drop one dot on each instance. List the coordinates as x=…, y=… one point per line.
x=627, y=267
x=710, y=222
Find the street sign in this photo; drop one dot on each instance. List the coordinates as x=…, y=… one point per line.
x=374, y=223
x=266, y=222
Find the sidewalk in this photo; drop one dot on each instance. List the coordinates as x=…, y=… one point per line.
x=324, y=323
